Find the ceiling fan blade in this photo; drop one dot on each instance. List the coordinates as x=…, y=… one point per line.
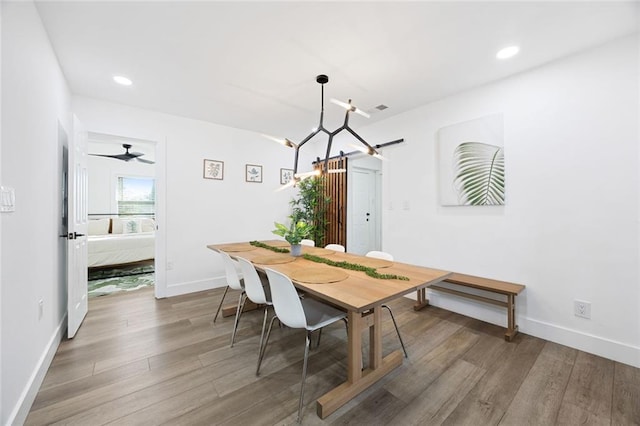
x=102, y=155
x=142, y=160
x=350, y=107
x=122, y=157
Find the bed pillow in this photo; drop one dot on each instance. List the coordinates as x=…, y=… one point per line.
x=99, y=226
x=147, y=225
x=125, y=226
x=131, y=226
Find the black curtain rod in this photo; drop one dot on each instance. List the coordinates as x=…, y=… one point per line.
x=346, y=154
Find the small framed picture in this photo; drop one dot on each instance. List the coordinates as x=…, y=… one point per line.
x=253, y=173
x=286, y=176
x=213, y=169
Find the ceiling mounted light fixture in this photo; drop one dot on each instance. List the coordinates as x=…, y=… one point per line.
x=368, y=149
x=120, y=79
x=508, y=52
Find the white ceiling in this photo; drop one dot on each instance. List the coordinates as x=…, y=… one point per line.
x=253, y=65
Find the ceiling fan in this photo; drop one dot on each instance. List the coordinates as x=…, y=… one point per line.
x=126, y=156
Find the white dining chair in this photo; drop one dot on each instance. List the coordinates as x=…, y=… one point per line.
x=309, y=243
x=335, y=247
x=294, y=312
x=257, y=292
x=386, y=256
x=234, y=282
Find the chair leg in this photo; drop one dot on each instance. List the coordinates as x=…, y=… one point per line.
x=319, y=336
x=304, y=374
x=406, y=355
x=239, y=309
x=220, y=305
x=264, y=326
x=264, y=347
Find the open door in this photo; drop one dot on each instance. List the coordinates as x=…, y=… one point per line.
x=77, y=178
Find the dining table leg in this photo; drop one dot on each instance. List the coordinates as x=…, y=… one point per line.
x=359, y=379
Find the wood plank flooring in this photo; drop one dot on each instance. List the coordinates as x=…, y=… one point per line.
x=141, y=361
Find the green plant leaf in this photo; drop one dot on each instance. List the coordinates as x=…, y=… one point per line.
x=479, y=170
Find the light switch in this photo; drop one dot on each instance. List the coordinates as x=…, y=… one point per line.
x=7, y=199
x=406, y=205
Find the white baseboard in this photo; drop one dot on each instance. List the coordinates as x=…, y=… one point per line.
x=19, y=414
x=606, y=348
x=194, y=286
x=597, y=345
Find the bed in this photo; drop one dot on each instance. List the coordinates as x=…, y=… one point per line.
x=120, y=241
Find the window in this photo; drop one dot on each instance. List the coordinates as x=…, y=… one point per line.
x=136, y=195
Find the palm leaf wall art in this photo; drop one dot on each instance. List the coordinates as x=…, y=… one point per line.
x=479, y=174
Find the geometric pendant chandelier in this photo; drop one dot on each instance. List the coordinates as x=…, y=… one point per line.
x=366, y=148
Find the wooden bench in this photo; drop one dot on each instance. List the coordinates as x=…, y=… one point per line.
x=510, y=290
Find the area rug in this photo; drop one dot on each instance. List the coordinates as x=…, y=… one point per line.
x=108, y=281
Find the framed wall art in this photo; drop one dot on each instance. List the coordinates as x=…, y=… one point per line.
x=213, y=169
x=286, y=176
x=471, y=163
x=253, y=173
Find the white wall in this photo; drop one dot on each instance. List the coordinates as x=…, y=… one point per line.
x=34, y=98
x=569, y=229
x=202, y=211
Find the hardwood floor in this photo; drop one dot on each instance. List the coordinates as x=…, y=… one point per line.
x=137, y=360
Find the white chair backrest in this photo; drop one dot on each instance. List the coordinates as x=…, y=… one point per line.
x=231, y=272
x=309, y=243
x=335, y=247
x=252, y=282
x=286, y=301
x=379, y=255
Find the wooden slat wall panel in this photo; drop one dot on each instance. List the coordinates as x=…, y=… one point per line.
x=335, y=187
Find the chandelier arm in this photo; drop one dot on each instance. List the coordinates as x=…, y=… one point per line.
x=312, y=134
x=326, y=158
x=346, y=118
x=295, y=161
x=372, y=149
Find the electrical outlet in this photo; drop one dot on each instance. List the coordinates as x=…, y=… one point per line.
x=40, y=309
x=169, y=265
x=582, y=309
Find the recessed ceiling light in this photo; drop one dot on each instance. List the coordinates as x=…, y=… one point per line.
x=508, y=52
x=122, y=80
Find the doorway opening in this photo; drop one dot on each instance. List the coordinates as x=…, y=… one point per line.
x=364, y=206
x=122, y=214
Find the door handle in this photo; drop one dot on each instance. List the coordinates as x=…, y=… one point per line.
x=72, y=235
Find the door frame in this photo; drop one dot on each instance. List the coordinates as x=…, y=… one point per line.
x=160, y=147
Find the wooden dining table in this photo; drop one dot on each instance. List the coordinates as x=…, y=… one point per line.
x=360, y=295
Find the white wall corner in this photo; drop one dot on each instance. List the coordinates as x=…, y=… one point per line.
x=21, y=410
x=194, y=286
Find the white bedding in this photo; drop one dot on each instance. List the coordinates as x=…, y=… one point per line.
x=116, y=249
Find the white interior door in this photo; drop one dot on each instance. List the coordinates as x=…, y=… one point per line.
x=77, y=292
x=364, y=212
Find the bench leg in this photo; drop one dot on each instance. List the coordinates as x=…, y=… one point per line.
x=512, y=328
x=422, y=300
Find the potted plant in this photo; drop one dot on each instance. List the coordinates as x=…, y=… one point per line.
x=296, y=232
x=311, y=206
